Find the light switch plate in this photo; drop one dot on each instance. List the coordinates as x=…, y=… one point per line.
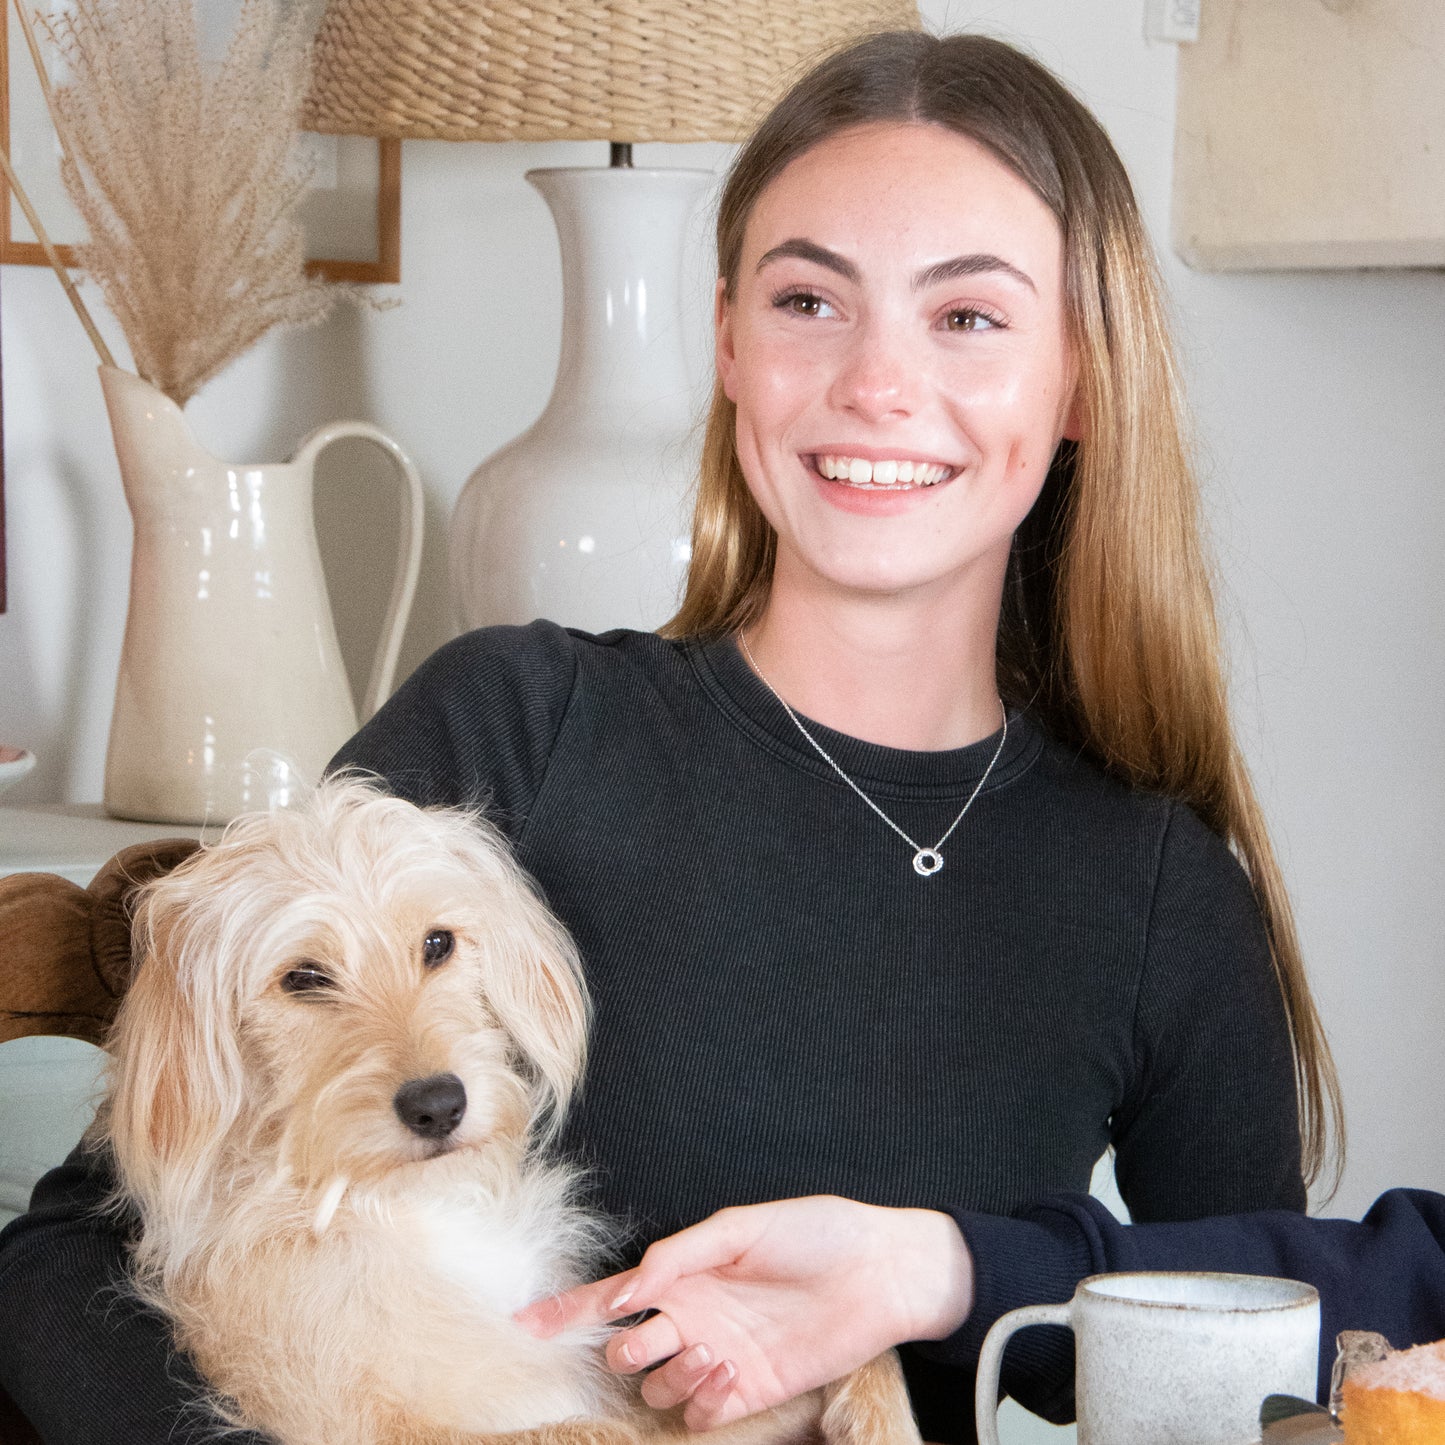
x=1172, y=20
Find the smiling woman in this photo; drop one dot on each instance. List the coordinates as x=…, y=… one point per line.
x=913, y=865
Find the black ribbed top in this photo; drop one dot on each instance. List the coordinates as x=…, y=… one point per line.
x=784, y=1007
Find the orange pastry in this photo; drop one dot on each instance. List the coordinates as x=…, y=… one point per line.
x=1399, y=1400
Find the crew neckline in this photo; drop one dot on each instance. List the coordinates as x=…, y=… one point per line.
x=904, y=772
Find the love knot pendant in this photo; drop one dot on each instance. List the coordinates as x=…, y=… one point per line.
x=927, y=862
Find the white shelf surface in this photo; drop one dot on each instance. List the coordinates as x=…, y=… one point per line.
x=72, y=839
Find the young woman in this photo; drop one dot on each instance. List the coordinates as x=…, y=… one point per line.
x=901, y=861
x=932, y=264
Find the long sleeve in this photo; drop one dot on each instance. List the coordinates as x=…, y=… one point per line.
x=1210, y=1123
x=87, y=1364
x=1385, y=1273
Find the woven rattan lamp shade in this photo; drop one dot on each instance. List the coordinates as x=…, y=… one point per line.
x=629, y=70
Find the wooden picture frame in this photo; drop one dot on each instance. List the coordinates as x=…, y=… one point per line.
x=382, y=269
x=365, y=194
x=1307, y=137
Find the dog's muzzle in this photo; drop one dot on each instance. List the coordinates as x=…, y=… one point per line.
x=433, y=1107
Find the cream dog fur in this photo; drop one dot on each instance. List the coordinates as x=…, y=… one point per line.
x=352, y=1028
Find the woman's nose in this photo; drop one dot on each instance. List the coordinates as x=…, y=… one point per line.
x=878, y=374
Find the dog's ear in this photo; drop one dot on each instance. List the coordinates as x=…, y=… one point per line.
x=176, y=1075
x=534, y=984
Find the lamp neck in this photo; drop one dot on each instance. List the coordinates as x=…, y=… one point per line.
x=621, y=233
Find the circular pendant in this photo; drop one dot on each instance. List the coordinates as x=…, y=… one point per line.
x=927, y=861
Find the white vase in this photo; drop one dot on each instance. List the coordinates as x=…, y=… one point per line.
x=584, y=518
x=231, y=693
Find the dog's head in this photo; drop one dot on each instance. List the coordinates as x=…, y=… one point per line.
x=338, y=991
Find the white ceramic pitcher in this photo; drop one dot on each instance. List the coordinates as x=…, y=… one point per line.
x=232, y=694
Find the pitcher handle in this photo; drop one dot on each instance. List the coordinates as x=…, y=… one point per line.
x=990, y=1360
x=408, y=561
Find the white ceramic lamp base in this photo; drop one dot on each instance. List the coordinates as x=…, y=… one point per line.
x=584, y=518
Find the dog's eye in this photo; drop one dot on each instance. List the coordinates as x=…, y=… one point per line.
x=306, y=978
x=437, y=946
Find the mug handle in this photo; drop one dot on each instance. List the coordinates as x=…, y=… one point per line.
x=990, y=1359
x=408, y=560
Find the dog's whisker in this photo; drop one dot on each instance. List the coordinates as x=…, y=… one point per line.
x=330, y=1202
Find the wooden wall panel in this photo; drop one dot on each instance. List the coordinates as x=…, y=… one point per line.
x=1310, y=134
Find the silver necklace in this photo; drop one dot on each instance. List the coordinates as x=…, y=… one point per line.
x=926, y=861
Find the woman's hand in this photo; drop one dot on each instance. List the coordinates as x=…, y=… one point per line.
x=761, y=1303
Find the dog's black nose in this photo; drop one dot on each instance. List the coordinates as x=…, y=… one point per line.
x=432, y=1107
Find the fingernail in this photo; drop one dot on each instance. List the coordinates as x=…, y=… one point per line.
x=699, y=1357
x=627, y=1356
x=728, y=1371
x=622, y=1298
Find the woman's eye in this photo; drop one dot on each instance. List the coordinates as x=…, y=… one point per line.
x=802, y=303
x=306, y=978
x=437, y=947
x=966, y=319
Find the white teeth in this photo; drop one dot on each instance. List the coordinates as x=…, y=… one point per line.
x=858, y=472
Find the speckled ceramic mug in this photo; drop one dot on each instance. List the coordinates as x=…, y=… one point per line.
x=1172, y=1359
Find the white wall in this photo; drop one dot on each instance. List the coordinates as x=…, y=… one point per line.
x=1319, y=402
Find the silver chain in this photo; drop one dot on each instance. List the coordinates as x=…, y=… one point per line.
x=926, y=861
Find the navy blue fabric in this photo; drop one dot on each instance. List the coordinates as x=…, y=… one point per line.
x=1385, y=1273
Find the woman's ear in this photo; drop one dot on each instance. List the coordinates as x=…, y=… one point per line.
x=723, y=355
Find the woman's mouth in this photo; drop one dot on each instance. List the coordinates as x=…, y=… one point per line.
x=886, y=474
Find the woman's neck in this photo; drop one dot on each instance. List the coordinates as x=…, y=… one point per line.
x=884, y=669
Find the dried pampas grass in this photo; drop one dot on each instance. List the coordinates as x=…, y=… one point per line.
x=185, y=176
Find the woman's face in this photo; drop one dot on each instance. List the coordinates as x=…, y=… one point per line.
x=896, y=350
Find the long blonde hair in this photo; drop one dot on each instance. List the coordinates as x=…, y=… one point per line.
x=1108, y=632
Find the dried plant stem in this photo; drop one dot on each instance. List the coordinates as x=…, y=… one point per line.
x=51, y=255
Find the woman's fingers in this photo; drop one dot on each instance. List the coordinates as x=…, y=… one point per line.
x=655, y=1339
x=588, y=1304
x=714, y=1402
x=680, y=1378
x=716, y=1242
x=710, y=1245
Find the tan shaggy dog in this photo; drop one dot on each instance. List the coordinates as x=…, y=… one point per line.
x=352, y=1027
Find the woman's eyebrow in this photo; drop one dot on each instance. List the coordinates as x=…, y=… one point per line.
x=971, y=265
x=974, y=264
x=802, y=250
